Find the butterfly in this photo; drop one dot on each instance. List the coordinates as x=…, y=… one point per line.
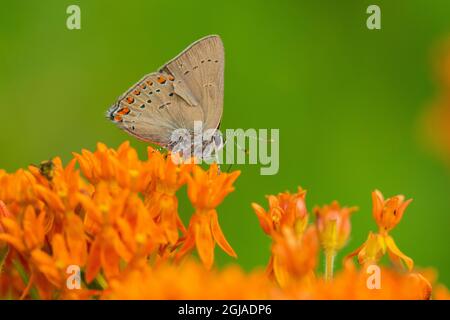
x=187, y=89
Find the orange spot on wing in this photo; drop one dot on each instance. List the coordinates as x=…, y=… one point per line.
x=124, y=111
x=170, y=77
x=130, y=99
x=161, y=79
x=136, y=92
x=149, y=82
x=118, y=118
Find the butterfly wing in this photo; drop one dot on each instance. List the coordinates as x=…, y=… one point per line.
x=198, y=71
x=188, y=88
x=151, y=111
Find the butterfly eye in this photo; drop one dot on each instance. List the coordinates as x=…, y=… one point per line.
x=130, y=100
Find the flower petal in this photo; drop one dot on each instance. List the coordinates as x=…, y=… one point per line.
x=219, y=236
x=392, y=247
x=264, y=219
x=93, y=264
x=204, y=241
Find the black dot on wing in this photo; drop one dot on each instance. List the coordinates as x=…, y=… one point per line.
x=132, y=128
x=157, y=90
x=170, y=94
x=186, y=72
x=216, y=61
x=143, y=106
x=209, y=60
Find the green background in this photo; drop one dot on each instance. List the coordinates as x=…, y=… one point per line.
x=347, y=100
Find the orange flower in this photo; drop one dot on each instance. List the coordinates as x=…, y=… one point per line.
x=117, y=220
x=4, y=213
x=286, y=221
x=68, y=249
x=333, y=225
x=189, y=280
x=27, y=235
x=351, y=284
x=162, y=202
x=441, y=293
x=294, y=256
x=206, y=190
x=121, y=168
x=121, y=227
x=285, y=209
x=388, y=213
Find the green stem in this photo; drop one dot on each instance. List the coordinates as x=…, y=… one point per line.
x=329, y=264
x=102, y=281
x=23, y=275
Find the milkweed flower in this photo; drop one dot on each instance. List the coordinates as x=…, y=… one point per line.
x=333, y=226
x=188, y=280
x=115, y=219
x=387, y=214
x=293, y=254
x=351, y=284
x=206, y=190
x=162, y=202
x=285, y=209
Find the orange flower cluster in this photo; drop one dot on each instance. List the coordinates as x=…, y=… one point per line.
x=114, y=211
x=295, y=246
x=107, y=226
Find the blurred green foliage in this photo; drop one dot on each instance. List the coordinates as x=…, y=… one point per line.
x=347, y=100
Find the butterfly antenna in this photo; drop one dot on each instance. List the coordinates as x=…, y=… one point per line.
x=258, y=138
x=226, y=151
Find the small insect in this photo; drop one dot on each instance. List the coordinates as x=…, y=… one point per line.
x=187, y=89
x=46, y=169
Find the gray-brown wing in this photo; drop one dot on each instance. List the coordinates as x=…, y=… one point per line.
x=151, y=111
x=189, y=88
x=198, y=73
